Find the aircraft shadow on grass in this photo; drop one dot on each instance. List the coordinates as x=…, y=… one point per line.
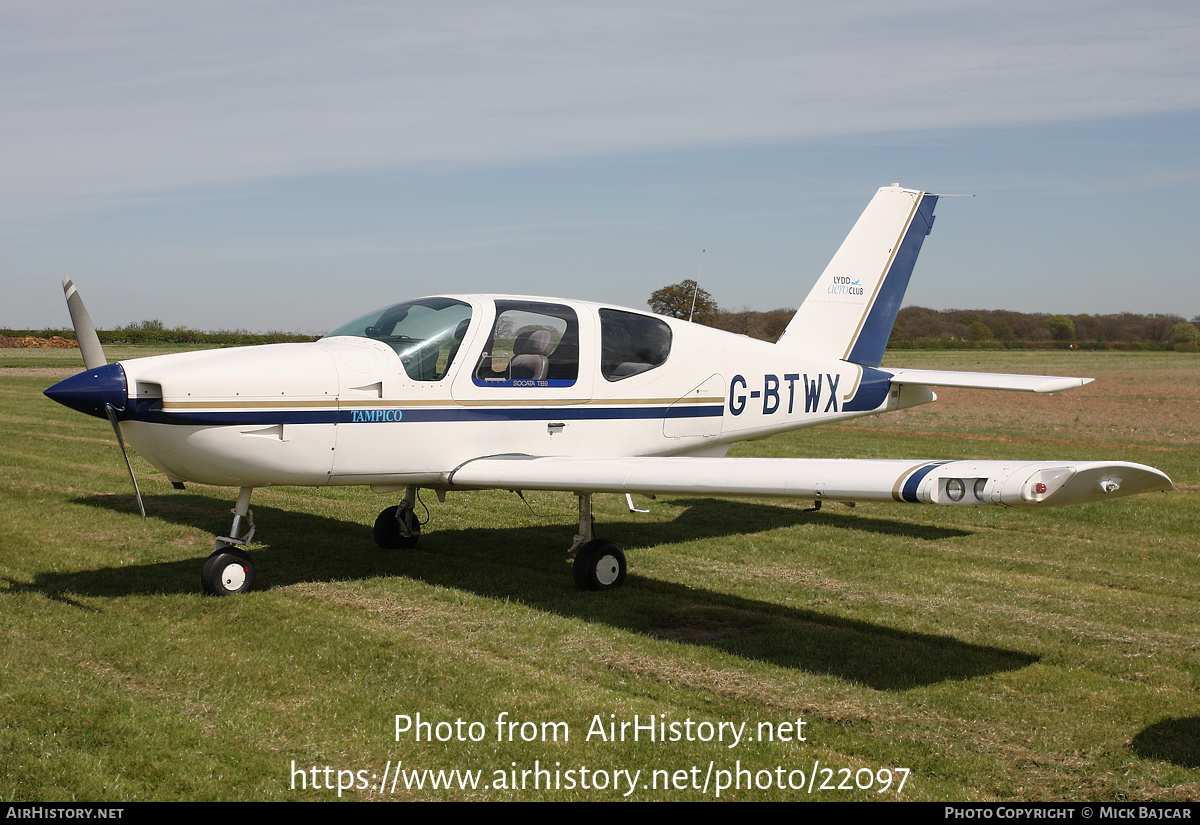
x=704, y=518
x=527, y=564
x=1172, y=740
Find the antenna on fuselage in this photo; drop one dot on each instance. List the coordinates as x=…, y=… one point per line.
x=696, y=291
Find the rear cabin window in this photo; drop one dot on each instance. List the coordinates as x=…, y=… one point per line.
x=631, y=344
x=531, y=345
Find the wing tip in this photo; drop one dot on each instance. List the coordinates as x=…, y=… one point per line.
x=1057, y=384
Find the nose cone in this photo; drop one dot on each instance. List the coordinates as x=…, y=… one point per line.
x=92, y=390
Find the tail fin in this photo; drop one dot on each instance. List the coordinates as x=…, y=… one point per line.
x=850, y=312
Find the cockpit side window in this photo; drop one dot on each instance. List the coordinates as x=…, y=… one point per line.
x=426, y=333
x=531, y=345
x=631, y=344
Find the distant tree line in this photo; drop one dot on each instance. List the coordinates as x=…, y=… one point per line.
x=916, y=327
x=922, y=328
x=155, y=332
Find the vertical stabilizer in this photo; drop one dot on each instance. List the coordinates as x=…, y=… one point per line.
x=850, y=312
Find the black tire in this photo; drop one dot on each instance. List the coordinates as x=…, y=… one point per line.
x=387, y=529
x=599, y=565
x=227, y=571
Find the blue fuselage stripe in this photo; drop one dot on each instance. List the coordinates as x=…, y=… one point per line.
x=873, y=389
x=424, y=414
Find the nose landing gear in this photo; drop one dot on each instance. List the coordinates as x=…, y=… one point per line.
x=230, y=569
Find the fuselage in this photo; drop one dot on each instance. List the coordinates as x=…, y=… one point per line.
x=402, y=399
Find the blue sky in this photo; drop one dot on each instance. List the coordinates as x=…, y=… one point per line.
x=269, y=165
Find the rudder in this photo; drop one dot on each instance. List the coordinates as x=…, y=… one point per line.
x=850, y=311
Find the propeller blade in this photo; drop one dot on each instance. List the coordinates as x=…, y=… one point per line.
x=93, y=357
x=85, y=332
x=112, y=416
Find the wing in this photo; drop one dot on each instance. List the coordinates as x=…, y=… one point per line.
x=1007, y=483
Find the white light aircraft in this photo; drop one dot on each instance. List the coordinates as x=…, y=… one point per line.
x=465, y=392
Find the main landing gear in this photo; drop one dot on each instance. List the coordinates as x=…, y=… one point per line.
x=398, y=528
x=599, y=563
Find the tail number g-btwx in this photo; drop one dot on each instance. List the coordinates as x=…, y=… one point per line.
x=770, y=393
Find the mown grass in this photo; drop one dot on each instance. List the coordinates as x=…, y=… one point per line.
x=997, y=654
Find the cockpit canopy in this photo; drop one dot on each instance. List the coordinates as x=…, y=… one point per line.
x=532, y=342
x=425, y=333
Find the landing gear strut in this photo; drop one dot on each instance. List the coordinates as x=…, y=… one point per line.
x=397, y=528
x=230, y=569
x=599, y=564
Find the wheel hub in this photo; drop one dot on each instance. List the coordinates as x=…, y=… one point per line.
x=233, y=577
x=607, y=569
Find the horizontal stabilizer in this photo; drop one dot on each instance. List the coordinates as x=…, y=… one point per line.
x=1007, y=483
x=987, y=380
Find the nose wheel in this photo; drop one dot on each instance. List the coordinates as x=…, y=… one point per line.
x=227, y=571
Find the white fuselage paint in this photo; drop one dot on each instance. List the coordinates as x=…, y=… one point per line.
x=344, y=411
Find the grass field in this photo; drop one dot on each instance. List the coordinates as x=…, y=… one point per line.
x=973, y=654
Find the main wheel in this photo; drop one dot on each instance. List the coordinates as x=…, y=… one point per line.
x=389, y=536
x=599, y=565
x=229, y=570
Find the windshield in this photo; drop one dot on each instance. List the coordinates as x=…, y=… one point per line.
x=426, y=333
